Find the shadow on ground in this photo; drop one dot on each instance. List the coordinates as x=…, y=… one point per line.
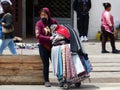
x=82, y=87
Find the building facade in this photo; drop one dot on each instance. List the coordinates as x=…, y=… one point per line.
x=26, y=14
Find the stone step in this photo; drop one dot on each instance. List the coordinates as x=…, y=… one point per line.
x=106, y=69
x=105, y=75
x=105, y=64
x=104, y=58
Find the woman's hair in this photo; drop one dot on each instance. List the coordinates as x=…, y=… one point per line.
x=106, y=5
x=46, y=10
x=7, y=8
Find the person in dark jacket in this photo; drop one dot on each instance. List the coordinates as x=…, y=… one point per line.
x=7, y=22
x=44, y=36
x=82, y=8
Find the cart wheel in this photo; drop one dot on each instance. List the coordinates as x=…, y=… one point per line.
x=66, y=86
x=78, y=84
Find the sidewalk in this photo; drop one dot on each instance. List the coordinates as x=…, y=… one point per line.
x=86, y=86
x=105, y=75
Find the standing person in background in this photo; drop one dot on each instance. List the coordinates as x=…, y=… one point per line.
x=43, y=34
x=1, y=15
x=107, y=28
x=7, y=23
x=82, y=8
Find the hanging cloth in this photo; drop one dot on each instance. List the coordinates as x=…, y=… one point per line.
x=71, y=72
x=54, y=58
x=60, y=65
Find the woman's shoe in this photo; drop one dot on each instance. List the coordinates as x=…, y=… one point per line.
x=115, y=51
x=105, y=51
x=47, y=84
x=60, y=83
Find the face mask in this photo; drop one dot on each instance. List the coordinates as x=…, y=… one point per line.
x=44, y=20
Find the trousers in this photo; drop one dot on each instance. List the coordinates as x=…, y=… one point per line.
x=45, y=56
x=82, y=24
x=7, y=42
x=105, y=36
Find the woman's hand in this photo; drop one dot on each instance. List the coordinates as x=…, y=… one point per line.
x=3, y=23
x=51, y=38
x=47, y=30
x=112, y=28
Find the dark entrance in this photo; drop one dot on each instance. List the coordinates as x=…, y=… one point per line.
x=29, y=18
x=60, y=10
x=18, y=18
x=17, y=13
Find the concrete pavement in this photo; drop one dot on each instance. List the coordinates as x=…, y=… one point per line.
x=105, y=74
x=86, y=86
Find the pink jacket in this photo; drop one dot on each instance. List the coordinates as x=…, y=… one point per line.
x=107, y=20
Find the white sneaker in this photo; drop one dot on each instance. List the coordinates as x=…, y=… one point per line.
x=85, y=38
x=82, y=38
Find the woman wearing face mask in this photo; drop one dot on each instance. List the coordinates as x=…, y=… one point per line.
x=43, y=34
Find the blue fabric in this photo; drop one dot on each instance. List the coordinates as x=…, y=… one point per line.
x=60, y=65
x=86, y=64
x=0, y=31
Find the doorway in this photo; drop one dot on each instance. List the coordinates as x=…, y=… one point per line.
x=60, y=10
x=29, y=19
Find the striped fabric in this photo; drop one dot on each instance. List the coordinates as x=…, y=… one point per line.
x=64, y=59
x=71, y=73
